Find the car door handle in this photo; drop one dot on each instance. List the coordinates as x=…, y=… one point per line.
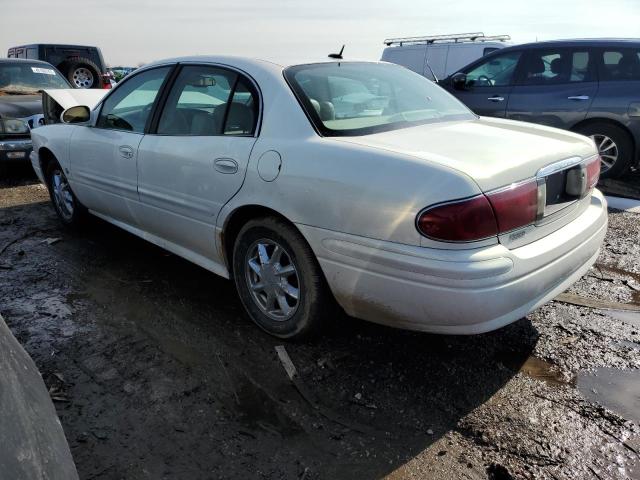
x=225, y=165
x=126, y=151
x=496, y=99
x=578, y=97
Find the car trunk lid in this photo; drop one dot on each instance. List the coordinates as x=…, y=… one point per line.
x=498, y=153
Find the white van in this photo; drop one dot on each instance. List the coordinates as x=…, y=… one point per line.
x=441, y=55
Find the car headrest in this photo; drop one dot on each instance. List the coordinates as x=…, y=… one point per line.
x=558, y=66
x=203, y=123
x=240, y=118
x=536, y=66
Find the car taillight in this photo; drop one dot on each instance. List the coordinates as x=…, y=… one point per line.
x=106, y=81
x=463, y=221
x=515, y=206
x=483, y=216
x=593, y=172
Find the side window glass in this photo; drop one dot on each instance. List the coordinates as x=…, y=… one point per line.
x=621, y=64
x=198, y=102
x=242, y=116
x=207, y=101
x=129, y=106
x=495, y=72
x=544, y=67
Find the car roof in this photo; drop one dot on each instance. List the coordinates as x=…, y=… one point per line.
x=61, y=45
x=580, y=42
x=237, y=61
x=5, y=61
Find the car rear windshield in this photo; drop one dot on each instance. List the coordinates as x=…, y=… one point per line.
x=29, y=78
x=359, y=98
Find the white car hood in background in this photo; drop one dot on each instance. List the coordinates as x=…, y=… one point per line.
x=494, y=152
x=70, y=97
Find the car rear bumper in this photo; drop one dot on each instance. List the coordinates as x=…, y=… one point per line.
x=456, y=291
x=15, y=150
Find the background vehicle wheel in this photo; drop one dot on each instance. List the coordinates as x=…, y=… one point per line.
x=614, y=145
x=69, y=210
x=82, y=73
x=279, y=280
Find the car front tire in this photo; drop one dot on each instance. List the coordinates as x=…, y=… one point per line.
x=614, y=146
x=279, y=280
x=69, y=210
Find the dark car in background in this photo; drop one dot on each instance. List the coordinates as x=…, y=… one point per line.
x=82, y=65
x=588, y=86
x=21, y=83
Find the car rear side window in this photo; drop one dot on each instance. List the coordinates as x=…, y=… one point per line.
x=207, y=101
x=621, y=64
x=552, y=67
x=129, y=106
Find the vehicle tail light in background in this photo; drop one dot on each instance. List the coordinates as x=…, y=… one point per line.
x=593, y=172
x=106, y=81
x=463, y=221
x=483, y=216
x=516, y=205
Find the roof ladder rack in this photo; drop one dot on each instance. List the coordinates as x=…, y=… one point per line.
x=454, y=38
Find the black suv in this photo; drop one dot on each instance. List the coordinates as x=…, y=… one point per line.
x=588, y=86
x=83, y=66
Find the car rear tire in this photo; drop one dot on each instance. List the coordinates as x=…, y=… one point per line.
x=82, y=73
x=279, y=280
x=614, y=145
x=69, y=210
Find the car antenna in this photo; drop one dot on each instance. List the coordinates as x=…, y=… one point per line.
x=337, y=55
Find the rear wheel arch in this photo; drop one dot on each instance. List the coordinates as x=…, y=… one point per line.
x=590, y=121
x=236, y=220
x=586, y=124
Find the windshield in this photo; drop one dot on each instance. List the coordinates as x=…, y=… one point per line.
x=349, y=98
x=29, y=78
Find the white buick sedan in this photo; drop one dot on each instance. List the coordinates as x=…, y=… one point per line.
x=350, y=183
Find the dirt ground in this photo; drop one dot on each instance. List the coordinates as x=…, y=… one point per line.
x=157, y=374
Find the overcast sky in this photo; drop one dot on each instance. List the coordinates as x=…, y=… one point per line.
x=131, y=32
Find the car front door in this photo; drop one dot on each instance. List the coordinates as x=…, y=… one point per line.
x=196, y=156
x=488, y=84
x=104, y=157
x=554, y=87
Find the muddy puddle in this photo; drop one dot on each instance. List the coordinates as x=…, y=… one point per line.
x=538, y=369
x=617, y=390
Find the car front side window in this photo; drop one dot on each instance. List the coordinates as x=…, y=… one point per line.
x=129, y=106
x=496, y=71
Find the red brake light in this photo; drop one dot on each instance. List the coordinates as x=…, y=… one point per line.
x=483, y=216
x=593, y=172
x=515, y=206
x=463, y=221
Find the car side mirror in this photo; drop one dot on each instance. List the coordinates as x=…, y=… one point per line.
x=77, y=114
x=459, y=81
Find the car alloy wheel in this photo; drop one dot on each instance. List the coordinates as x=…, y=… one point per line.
x=272, y=279
x=83, y=77
x=607, y=149
x=62, y=196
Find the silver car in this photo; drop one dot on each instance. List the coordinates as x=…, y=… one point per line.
x=351, y=184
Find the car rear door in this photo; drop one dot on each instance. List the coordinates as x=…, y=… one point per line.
x=554, y=86
x=195, y=159
x=104, y=157
x=488, y=84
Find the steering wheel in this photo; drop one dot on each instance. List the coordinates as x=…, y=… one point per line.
x=483, y=81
